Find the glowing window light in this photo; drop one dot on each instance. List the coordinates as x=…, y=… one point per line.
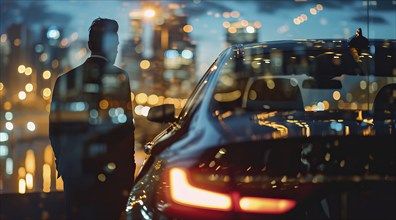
x=145, y=111
x=3, y=150
x=55, y=64
x=152, y=99
x=43, y=57
x=320, y=106
x=138, y=109
x=17, y=42
x=183, y=193
x=3, y=136
x=21, y=69
x=29, y=87
x=326, y=104
x=304, y=17
x=250, y=29
x=235, y=14
x=122, y=118
x=3, y=38
x=30, y=162
x=22, y=95
x=31, y=126
x=46, y=178
x=53, y=33
x=244, y=23
x=28, y=71
x=141, y=98
x=232, y=30
x=132, y=96
x=46, y=74
x=1, y=86
x=171, y=54
x=266, y=205
x=187, y=54
x=21, y=172
x=103, y=104
x=47, y=92
x=145, y=64
x=7, y=105
x=188, y=28
x=257, y=24
x=9, y=126
x=270, y=84
x=29, y=181
x=226, y=24
x=336, y=95
x=48, y=155
x=226, y=14
x=94, y=113
x=22, y=186
x=149, y=13
x=9, y=167
x=313, y=11
x=8, y=116
x=102, y=177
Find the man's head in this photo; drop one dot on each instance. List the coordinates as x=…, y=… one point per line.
x=103, y=38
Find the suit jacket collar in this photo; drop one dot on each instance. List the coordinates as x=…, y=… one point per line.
x=99, y=56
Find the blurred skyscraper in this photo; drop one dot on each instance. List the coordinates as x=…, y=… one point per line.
x=241, y=32
x=160, y=56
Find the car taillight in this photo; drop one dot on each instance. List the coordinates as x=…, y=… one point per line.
x=266, y=205
x=184, y=193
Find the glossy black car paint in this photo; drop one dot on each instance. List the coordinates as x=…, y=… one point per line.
x=330, y=173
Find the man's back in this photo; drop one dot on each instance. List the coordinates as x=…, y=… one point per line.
x=91, y=130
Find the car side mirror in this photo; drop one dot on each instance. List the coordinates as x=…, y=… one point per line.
x=162, y=113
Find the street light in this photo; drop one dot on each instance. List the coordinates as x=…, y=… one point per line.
x=149, y=13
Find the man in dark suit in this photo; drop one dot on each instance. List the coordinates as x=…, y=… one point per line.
x=92, y=130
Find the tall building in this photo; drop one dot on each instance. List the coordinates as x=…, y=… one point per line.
x=242, y=32
x=160, y=56
x=19, y=41
x=132, y=50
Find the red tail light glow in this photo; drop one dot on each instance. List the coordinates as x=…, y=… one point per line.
x=184, y=193
x=266, y=205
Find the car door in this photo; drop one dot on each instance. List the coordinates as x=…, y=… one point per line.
x=182, y=122
x=145, y=188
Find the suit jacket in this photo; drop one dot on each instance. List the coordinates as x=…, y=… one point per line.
x=91, y=124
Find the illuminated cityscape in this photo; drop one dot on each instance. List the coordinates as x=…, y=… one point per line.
x=166, y=65
x=165, y=47
x=167, y=68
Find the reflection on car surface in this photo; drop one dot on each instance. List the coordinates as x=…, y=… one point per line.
x=288, y=129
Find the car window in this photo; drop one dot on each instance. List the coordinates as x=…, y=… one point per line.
x=306, y=76
x=197, y=95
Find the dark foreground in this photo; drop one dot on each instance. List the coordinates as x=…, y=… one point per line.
x=32, y=206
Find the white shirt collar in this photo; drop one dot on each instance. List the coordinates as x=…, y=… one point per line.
x=99, y=56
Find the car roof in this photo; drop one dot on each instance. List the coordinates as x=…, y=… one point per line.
x=309, y=43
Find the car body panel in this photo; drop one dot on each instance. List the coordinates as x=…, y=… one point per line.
x=336, y=161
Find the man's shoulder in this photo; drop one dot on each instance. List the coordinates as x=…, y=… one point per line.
x=118, y=70
x=71, y=72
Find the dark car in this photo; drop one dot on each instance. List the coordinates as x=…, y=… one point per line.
x=300, y=129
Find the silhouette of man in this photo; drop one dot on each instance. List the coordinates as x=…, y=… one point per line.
x=92, y=131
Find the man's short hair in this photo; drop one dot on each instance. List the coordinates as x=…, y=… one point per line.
x=97, y=30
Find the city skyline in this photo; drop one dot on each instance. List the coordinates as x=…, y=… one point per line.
x=338, y=19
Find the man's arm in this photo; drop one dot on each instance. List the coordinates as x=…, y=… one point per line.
x=54, y=119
